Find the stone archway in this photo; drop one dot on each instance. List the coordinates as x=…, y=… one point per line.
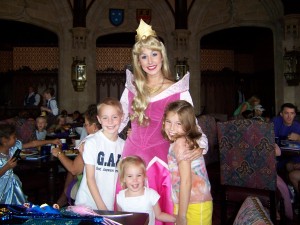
x=257, y=13
x=29, y=57
x=234, y=54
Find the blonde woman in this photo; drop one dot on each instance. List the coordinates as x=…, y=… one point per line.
x=148, y=90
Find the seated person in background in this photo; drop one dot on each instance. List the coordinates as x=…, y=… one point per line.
x=77, y=118
x=257, y=113
x=64, y=113
x=248, y=105
x=294, y=176
x=41, y=124
x=284, y=191
x=75, y=167
x=286, y=128
x=60, y=126
x=11, y=186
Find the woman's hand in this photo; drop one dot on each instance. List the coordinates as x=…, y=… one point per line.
x=128, y=132
x=55, y=151
x=193, y=154
x=187, y=153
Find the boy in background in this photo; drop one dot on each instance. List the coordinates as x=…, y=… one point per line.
x=41, y=124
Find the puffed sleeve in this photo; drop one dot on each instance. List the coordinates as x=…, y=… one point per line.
x=124, y=101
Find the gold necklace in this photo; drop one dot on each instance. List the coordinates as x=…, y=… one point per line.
x=155, y=89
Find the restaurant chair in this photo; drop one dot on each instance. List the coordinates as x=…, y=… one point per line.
x=208, y=125
x=247, y=163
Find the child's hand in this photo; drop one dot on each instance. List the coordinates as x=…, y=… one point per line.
x=56, y=142
x=12, y=163
x=181, y=220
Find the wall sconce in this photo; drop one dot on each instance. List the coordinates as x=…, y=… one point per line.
x=181, y=68
x=78, y=75
x=292, y=67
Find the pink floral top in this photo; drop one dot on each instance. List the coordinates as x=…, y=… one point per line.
x=200, y=191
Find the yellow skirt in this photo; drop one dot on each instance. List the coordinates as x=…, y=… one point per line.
x=198, y=214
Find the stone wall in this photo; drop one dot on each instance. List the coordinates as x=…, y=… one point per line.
x=204, y=17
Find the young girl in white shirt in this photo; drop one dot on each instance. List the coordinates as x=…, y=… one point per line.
x=137, y=197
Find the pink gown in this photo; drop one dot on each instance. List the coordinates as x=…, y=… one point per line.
x=148, y=142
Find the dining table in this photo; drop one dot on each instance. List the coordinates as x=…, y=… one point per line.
x=17, y=214
x=30, y=165
x=289, y=148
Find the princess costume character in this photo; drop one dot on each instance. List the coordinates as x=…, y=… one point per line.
x=148, y=142
x=10, y=184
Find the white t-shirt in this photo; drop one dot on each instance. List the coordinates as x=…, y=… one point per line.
x=104, y=154
x=143, y=203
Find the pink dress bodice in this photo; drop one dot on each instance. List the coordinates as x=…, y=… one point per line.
x=147, y=141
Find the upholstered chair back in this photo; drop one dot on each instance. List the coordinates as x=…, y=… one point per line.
x=209, y=127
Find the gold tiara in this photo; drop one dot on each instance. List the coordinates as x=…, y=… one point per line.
x=144, y=30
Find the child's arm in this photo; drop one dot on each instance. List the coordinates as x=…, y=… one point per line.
x=161, y=216
x=11, y=163
x=185, y=190
x=91, y=182
x=185, y=184
x=37, y=143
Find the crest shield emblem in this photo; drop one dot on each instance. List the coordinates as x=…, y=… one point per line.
x=144, y=14
x=116, y=16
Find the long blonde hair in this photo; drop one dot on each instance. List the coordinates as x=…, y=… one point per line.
x=141, y=100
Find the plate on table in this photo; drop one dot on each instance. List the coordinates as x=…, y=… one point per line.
x=290, y=148
x=51, y=134
x=71, y=152
x=35, y=157
x=28, y=152
x=290, y=145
